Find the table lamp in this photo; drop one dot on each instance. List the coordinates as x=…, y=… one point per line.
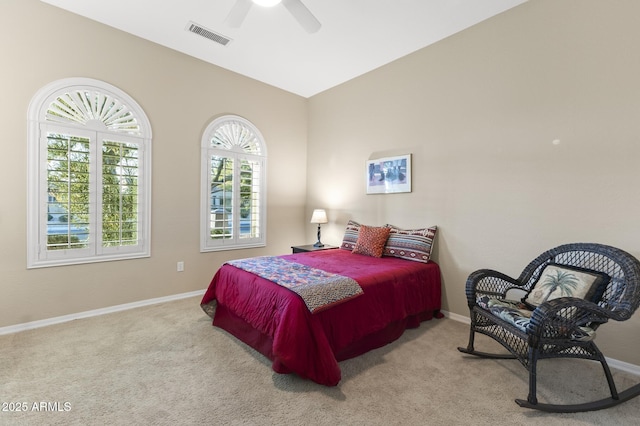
x=319, y=216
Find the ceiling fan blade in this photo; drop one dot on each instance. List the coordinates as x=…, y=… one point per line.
x=304, y=17
x=238, y=13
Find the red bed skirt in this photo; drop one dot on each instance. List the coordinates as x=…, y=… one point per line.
x=262, y=343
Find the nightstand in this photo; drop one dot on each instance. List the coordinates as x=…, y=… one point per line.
x=310, y=247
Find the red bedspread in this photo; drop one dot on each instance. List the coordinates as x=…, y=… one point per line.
x=275, y=321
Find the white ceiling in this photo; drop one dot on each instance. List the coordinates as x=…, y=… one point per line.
x=356, y=36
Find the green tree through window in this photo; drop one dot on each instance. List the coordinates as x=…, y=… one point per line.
x=119, y=194
x=68, y=192
x=92, y=200
x=233, y=212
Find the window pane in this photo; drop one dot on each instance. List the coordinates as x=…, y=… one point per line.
x=249, y=199
x=221, y=205
x=86, y=136
x=119, y=194
x=68, y=192
x=231, y=212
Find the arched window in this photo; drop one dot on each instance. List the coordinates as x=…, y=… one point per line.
x=89, y=175
x=233, y=208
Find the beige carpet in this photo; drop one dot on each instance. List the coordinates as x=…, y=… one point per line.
x=166, y=365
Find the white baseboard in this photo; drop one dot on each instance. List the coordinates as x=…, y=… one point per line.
x=624, y=366
x=456, y=317
x=613, y=363
x=96, y=312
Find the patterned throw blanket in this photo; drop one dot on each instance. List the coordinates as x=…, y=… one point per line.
x=319, y=289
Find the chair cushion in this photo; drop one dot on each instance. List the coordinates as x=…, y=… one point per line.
x=512, y=311
x=518, y=314
x=566, y=281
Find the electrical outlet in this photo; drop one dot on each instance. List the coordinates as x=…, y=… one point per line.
x=180, y=267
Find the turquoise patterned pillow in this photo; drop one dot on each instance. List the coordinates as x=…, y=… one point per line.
x=410, y=244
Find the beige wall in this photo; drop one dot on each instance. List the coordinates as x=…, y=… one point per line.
x=180, y=95
x=479, y=112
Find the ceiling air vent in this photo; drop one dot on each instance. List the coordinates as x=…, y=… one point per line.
x=203, y=32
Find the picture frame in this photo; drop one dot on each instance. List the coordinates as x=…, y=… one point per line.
x=389, y=175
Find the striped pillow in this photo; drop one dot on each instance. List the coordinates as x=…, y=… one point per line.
x=350, y=235
x=410, y=244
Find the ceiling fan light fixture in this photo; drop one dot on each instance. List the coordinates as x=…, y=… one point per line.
x=267, y=3
x=299, y=11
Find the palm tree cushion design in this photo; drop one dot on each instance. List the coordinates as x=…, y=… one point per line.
x=564, y=281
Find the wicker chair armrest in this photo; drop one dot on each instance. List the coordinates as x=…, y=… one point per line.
x=489, y=282
x=560, y=318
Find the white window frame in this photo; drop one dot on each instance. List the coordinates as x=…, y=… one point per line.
x=96, y=130
x=207, y=243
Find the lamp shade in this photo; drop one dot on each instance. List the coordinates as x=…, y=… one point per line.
x=319, y=216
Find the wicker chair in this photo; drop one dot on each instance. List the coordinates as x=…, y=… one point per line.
x=563, y=327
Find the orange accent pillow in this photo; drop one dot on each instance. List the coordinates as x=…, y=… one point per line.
x=371, y=240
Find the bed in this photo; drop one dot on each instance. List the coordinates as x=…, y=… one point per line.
x=310, y=340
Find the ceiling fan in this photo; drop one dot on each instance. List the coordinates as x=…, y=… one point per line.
x=299, y=11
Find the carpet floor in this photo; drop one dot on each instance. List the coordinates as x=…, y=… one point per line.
x=166, y=365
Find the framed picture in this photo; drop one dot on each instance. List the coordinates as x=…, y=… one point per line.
x=389, y=175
